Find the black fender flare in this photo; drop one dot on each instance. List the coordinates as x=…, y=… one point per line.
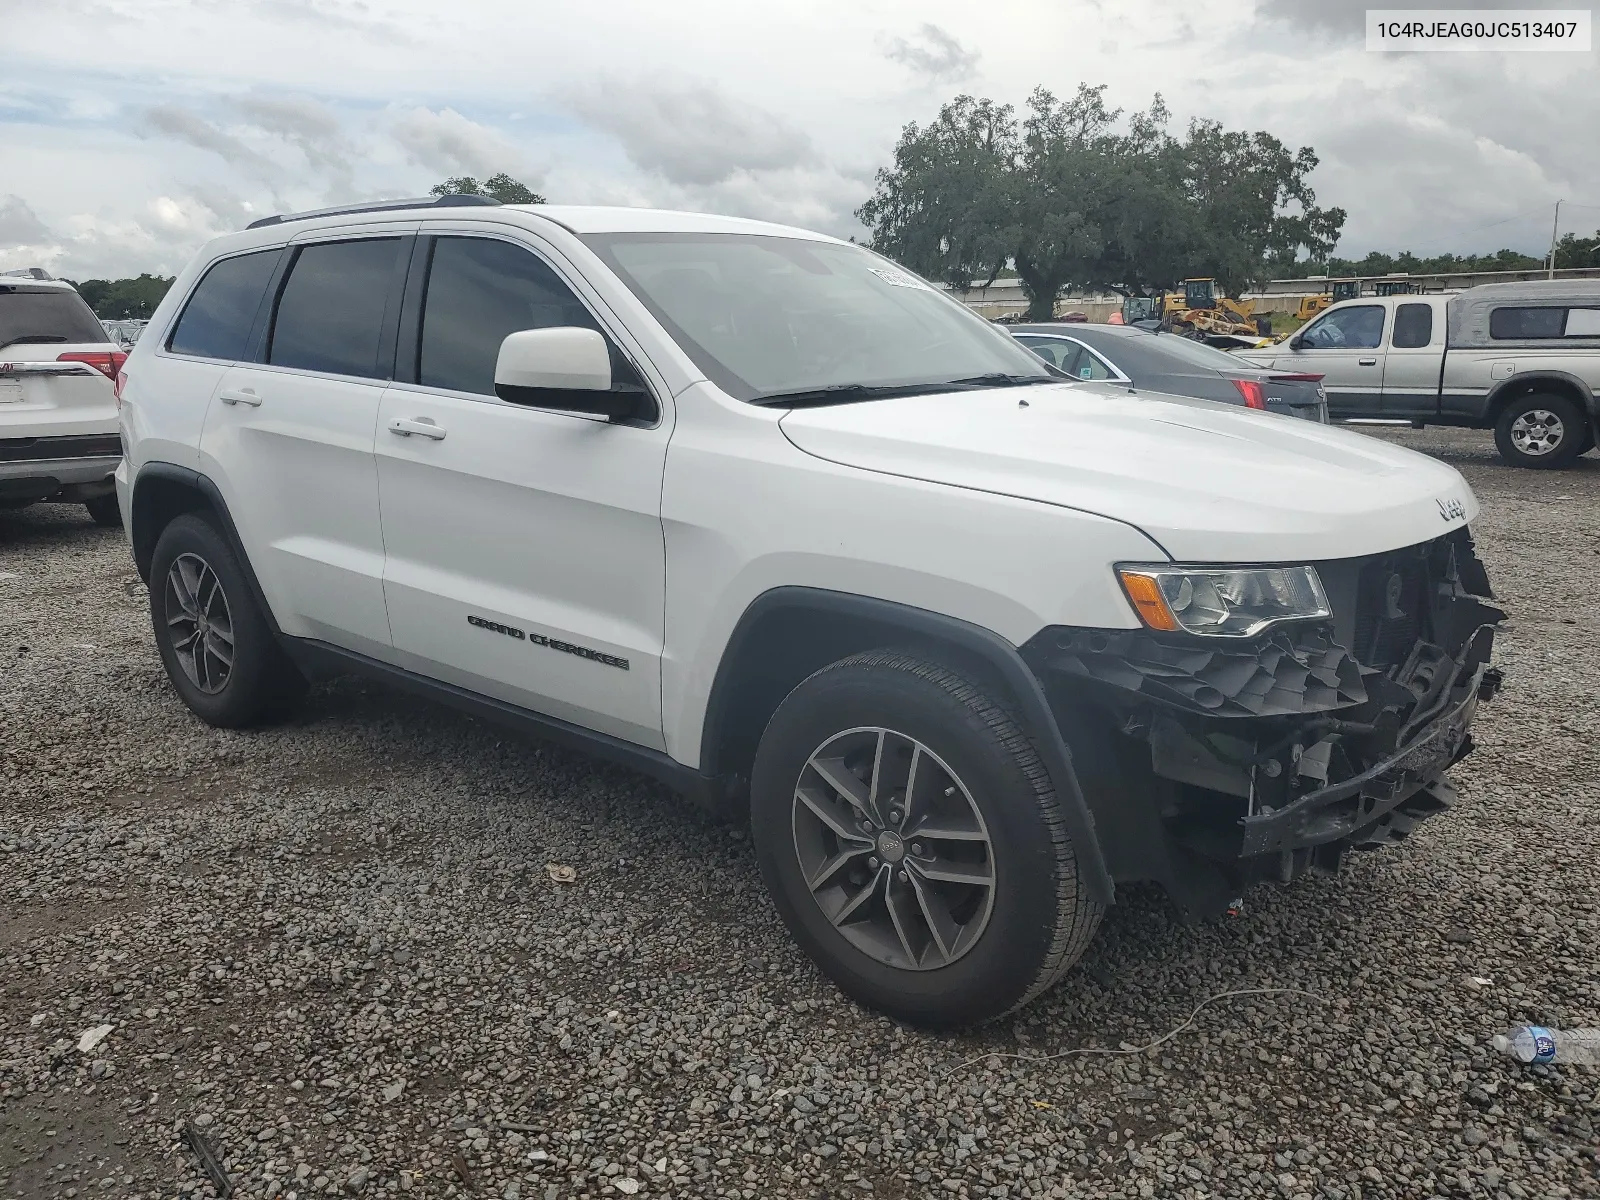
x=1000, y=655
x=207, y=489
x=1566, y=378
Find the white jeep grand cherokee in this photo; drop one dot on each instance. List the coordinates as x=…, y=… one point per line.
x=760, y=514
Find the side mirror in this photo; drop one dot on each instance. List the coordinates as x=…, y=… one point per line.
x=565, y=368
x=1297, y=342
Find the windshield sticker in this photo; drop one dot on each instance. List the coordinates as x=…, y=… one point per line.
x=896, y=278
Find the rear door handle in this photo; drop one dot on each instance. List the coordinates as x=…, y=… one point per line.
x=1367, y=362
x=422, y=427
x=242, y=396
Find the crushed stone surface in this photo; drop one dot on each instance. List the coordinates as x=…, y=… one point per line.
x=337, y=947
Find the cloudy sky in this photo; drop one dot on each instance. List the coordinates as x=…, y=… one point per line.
x=132, y=130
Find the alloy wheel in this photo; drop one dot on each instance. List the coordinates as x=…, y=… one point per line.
x=1537, y=432
x=893, y=848
x=199, y=623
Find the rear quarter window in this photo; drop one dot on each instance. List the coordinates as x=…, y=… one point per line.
x=46, y=317
x=1516, y=324
x=216, y=322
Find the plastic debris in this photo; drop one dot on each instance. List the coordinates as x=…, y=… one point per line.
x=93, y=1037
x=1236, y=908
x=560, y=873
x=1541, y=1044
x=208, y=1160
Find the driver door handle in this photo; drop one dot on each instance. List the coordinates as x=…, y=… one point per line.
x=421, y=426
x=1367, y=362
x=242, y=396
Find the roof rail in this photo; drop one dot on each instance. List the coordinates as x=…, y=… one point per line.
x=375, y=206
x=28, y=273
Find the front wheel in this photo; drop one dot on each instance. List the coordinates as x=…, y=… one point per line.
x=1540, y=430
x=914, y=844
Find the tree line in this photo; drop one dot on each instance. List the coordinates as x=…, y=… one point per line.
x=1572, y=252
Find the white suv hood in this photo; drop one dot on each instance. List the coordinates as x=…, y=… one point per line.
x=1209, y=482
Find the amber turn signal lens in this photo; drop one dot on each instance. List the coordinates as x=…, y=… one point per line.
x=1145, y=595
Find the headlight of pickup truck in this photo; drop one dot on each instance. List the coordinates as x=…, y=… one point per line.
x=1222, y=602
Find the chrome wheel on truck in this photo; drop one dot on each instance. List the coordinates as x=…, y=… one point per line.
x=1541, y=430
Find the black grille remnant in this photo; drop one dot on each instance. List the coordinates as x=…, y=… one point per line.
x=1213, y=762
x=1391, y=594
x=1289, y=672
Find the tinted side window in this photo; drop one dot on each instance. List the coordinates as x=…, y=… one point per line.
x=1357, y=328
x=216, y=322
x=480, y=290
x=1512, y=323
x=1413, y=326
x=330, y=316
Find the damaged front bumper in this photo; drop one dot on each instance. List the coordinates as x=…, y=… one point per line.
x=1212, y=763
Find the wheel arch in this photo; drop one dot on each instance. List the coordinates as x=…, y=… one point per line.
x=1558, y=383
x=789, y=632
x=163, y=492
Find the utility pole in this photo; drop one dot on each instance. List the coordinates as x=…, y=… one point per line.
x=1554, y=225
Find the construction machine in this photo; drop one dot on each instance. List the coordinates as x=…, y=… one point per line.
x=1337, y=290
x=1200, y=310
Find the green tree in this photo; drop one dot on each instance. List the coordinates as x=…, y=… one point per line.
x=945, y=207
x=500, y=187
x=1574, y=251
x=1069, y=197
x=124, y=299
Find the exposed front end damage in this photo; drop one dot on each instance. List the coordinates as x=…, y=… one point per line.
x=1211, y=763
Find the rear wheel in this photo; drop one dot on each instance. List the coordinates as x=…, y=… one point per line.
x=215, y=642
x=914, y=844
x=1541, y=430
x=103, y=510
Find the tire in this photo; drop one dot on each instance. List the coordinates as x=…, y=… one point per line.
x=103, y=510
x=1003, y=943
x=1588, y=441
x=260, y=684
x=1540, y=430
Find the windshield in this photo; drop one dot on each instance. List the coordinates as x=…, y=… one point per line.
x=767, y=316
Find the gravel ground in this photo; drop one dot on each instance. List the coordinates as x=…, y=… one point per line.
x=337, y=947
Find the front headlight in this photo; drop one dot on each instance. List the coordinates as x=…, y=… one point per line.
x=1222, y=601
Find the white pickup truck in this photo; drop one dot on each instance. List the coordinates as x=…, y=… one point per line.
x=969, y=642
x=1522, y=359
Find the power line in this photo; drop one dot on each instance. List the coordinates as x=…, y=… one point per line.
x=1491, y=225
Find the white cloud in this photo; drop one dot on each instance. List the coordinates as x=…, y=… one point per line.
x=693, y=134
x=447, y=143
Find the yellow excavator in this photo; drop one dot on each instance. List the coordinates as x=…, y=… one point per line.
x=1337, y=290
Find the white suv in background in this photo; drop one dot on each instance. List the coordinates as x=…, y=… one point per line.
x=759, y=513
x=58, y=408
